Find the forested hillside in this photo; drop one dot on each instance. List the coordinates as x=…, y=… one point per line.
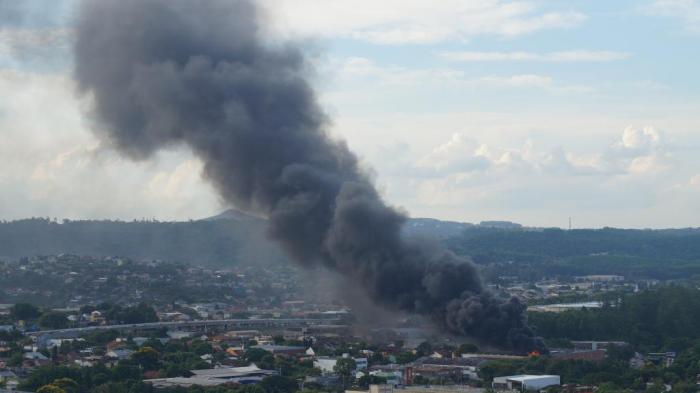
x=217, y=242
x=528, y=253
x=236, y=238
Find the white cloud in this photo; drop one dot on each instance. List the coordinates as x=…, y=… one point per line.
x=358, y=68
x=628, y=179
x=25, y=43
x=53, y=166
x=22, y=37
x=562, y=56
x=646, y=138
x=639, y=151
x=414, y=21
x=687, y=11
x=524, y=80
x=694, y=181
x=462, y=155
x=459, y=154
x=180, y=183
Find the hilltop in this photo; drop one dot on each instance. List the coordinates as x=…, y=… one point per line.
x=234, y=237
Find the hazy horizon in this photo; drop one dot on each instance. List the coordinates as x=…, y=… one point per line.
x=529, y=111
x=216, y=214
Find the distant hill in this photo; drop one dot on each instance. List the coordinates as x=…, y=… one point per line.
x=234, y=215
x=528, y=252
x=217, y=241
x=232, y=237
x=502, y=247
x=435, y=228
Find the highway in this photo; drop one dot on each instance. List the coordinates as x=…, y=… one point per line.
x=202, y=324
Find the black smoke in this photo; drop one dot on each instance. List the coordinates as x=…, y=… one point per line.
x=199, y=73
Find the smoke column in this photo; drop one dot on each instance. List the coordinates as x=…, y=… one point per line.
x=164, y=73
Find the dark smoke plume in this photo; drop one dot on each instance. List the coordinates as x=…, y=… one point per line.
x=197, y=72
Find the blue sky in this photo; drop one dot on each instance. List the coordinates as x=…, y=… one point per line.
x=532, y=111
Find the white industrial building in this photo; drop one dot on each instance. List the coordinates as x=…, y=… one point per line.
x=327, y=364
x=525, y=382
x=214, y=377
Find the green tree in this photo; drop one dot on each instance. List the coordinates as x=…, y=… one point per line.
x=15, y=360
x=405, y=357
x=467, y=348
x=201, y=348
x=345, y=367
x=656, y=387
x=424, y=349
x=67, y=384
x=278, y=340
x=253, y=355
x=47, y=375
x=123, y=371
x=50, y=388
x=24, y=311
x=53, y=320
x=366, y=380
x=142, y=313
x=684, y=387
x=251, y=389
x=420, y=380
x=147, y=358
x=608, y=387
x=278, y=384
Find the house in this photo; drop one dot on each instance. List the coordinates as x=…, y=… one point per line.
x=243, y=334
x=119, y=354
x=441, y=354
x=97, y=318
x=4, y=351
x=6, y=375
x=139, y=341
x=282, y=349
x=11, y=385
x=235, y=351
x=637, y=361
x=179, y=335
x=87, y=361
x=57, y=342
x=35, y=356
x=665, y=359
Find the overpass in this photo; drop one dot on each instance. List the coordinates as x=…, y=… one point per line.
x=225, y=324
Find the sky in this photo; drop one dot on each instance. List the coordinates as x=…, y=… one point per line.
x=531, y=111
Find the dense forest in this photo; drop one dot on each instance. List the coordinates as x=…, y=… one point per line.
x=531, y=254
x=666, y=318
